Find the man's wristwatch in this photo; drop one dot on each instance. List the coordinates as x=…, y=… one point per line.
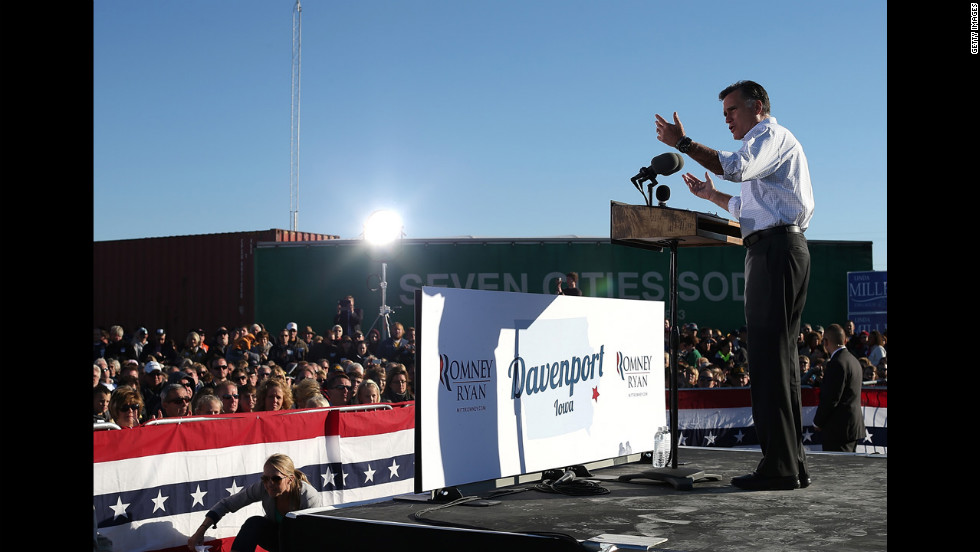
x=684, y=144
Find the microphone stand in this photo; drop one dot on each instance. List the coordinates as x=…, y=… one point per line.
x=645, y=174
x=681, y=478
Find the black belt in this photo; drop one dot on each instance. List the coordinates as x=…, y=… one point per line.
x=747, y=241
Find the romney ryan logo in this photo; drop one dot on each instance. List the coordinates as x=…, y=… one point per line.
x=634, y=370
x=468, y=379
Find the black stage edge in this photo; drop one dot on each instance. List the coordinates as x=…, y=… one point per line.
x=844, y=509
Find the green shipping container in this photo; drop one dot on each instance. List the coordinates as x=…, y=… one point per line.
x=302, y=281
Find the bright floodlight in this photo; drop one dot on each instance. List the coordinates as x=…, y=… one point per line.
x=383, y=227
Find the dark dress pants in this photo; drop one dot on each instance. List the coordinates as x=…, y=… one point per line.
x=257, y=530
x=777, y=273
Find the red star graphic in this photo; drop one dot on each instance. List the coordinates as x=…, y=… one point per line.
x=595, y=394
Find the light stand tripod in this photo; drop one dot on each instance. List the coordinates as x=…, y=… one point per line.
x=384, y=312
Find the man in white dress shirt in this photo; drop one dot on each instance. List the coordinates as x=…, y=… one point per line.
x=773, y=208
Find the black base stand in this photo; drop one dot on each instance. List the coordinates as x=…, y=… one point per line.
x=437, y=496
x=682, y=479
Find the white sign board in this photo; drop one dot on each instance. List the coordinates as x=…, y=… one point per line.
x=513, y=383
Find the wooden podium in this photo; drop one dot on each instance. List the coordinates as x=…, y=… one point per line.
x=656, y=228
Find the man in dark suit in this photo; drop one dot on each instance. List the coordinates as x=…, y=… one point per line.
x=839, y=418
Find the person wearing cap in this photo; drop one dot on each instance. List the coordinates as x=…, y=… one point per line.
x=307, y=335
x=161, y=348
x=152, y=384
x=219, y=345
x=140, y=339
x=738, y=377
x=296, y=349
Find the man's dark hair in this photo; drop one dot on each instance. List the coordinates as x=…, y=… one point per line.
x=751, y=92
x=835, y=335
x=333, y=378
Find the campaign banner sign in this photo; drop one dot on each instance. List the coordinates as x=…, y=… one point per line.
x=512, y=383
x=869, y=321
x=867, y=292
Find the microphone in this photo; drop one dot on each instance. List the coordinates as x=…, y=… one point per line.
x=663, y=164
x=667, y=163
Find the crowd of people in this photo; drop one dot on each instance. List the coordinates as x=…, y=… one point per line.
x=139, y=378
x=709, y=358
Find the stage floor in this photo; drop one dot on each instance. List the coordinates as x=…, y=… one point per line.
x=844, y=509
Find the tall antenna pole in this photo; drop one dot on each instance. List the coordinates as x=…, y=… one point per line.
x=294, y=118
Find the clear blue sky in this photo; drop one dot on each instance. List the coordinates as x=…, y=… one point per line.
x=505, y=118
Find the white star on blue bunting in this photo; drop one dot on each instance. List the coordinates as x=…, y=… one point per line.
x=198, y=497
x=119, y=509
x=234, y=488
x=158, y=501
x=328, y=478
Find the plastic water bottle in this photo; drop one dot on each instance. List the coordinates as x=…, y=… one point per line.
x=661, y=447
